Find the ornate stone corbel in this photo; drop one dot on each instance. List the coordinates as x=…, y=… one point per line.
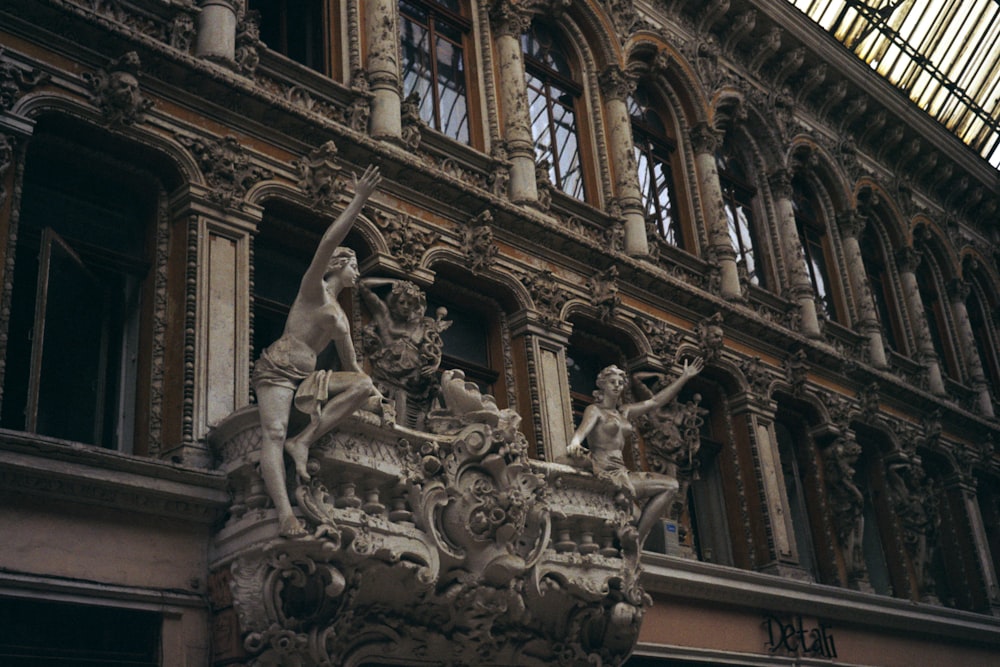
x=116, y=93
x=710, y=337
x=544, y=184
x=15, y=82
x=758, y=377
x=413, y=124
x=320, y=176
x=796, y=371
x=248, y=44
x=547, y=295
x=182, y=31
x=603, y=287
x=766, y=47
x=477, y=242
x=662, y=339
x=227, y=168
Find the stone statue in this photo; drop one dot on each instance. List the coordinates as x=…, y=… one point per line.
x=403, y=345
x=286, y=371
x=913, y=499
x=606, y=426
x=847, y=502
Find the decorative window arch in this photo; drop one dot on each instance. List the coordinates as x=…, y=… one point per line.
x=878, y=270
x=555, y=98
x=792, y=435
x=655, y=154
x=936, y=312
x=435, y=40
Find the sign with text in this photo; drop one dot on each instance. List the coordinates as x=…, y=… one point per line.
x=788, y=635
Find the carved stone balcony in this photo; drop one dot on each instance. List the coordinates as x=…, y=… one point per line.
x=440, y=547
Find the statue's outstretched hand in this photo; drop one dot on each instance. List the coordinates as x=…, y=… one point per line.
x=692, y=368
x=368, y=182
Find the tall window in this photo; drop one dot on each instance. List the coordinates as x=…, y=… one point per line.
x=872, y=539
x=473, y=342
x=294, y=28
x=80, y=298
x=879, y=279
x=706, y=499
x=811, y=226
x=737, y=195
x=654, y=151
x=788, y=434
x=432, y=37
x=553, y=96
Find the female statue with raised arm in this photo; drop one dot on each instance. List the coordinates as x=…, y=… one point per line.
x=606, y=426
x=315, y=319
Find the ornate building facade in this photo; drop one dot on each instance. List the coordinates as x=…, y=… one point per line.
x=570, y=185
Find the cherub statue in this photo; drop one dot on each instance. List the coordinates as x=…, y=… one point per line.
x=606, y=426
x=286, y=370
x=403, y=345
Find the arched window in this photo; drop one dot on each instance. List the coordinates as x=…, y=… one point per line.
x=874, y=511
x=296, y=29
x=81, y=305
x=433, y=37
x=880, y=282
x=554, y=95
x=810, y=222
x=654, y=156
x=737, y=194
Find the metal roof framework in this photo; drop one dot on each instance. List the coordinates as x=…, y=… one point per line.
x=943, y=54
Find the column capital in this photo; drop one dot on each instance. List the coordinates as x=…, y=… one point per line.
x=958, y=290
x=617, y=83
x=781, y=184
x=908, y=259
x=704, y=138
x=851, y=223
x=508, y=18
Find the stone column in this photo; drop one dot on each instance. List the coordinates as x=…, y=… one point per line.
x=508, y=22
x=617, y=85
x=217, y=345
x=382, y=36
x=958, y=292
x=704, y=140
x=907, y=260
x=799, y=285
x=547, y=400
x=851, y=226
x=216, y=38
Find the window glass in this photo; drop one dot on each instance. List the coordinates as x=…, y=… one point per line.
x=813, y=240
x=879, y=280
x=432, y=39
x=73, y=338
x=653, y=156
x=293, y=28
x=795, y=492
x=553, y=95
x=737, y=195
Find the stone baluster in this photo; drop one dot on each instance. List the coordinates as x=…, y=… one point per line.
x=851, y=226
x=216, y=38
x=958, y=292
x=382, y=34
x=907, y=260
x=508, y=22
x=617, y=85
x=800, y=286
x=704, y=140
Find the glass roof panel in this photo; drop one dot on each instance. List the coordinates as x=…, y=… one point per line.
x=944, y=54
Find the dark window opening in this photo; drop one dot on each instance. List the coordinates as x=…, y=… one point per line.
x=814, y=243
x=293, y=28
x=880, y=282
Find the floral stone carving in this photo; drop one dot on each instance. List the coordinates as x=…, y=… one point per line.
x=445, y=546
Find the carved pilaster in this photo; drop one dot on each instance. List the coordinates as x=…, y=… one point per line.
x=800, y=285
x=705, y=140
x=908, y=259
x=216, y=36
x=958, y=293
x=382, y=33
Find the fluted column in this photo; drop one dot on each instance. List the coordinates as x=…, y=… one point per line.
x=508, y=23
x=800, y=287
x=382, y=34
x=851, y=225
x=617, y=85
x=216, y=38
x=958, y=292
x=704, y=140
x=907, y=260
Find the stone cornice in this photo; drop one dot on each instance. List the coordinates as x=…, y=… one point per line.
x=688, y=579
x=54, y=469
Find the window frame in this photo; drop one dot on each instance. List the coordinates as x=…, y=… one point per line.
x=738, y=194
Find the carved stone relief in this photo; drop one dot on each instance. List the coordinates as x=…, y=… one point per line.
x=227, y=167
x=116, y=91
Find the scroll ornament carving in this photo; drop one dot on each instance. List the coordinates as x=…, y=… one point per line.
x=477, y=243
x=544, y=182
x=603, y=287
x=796, y=370
x=406, y=241
x=758, y=377
x=14, y=81
x=413, y=124
x=116, y=91
x=499, y=175
x=320, y=175
x=182, y=31
x=248, y=43
x=461, y=564
x=227, y=168
x=546, y=294
x=662, y=339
